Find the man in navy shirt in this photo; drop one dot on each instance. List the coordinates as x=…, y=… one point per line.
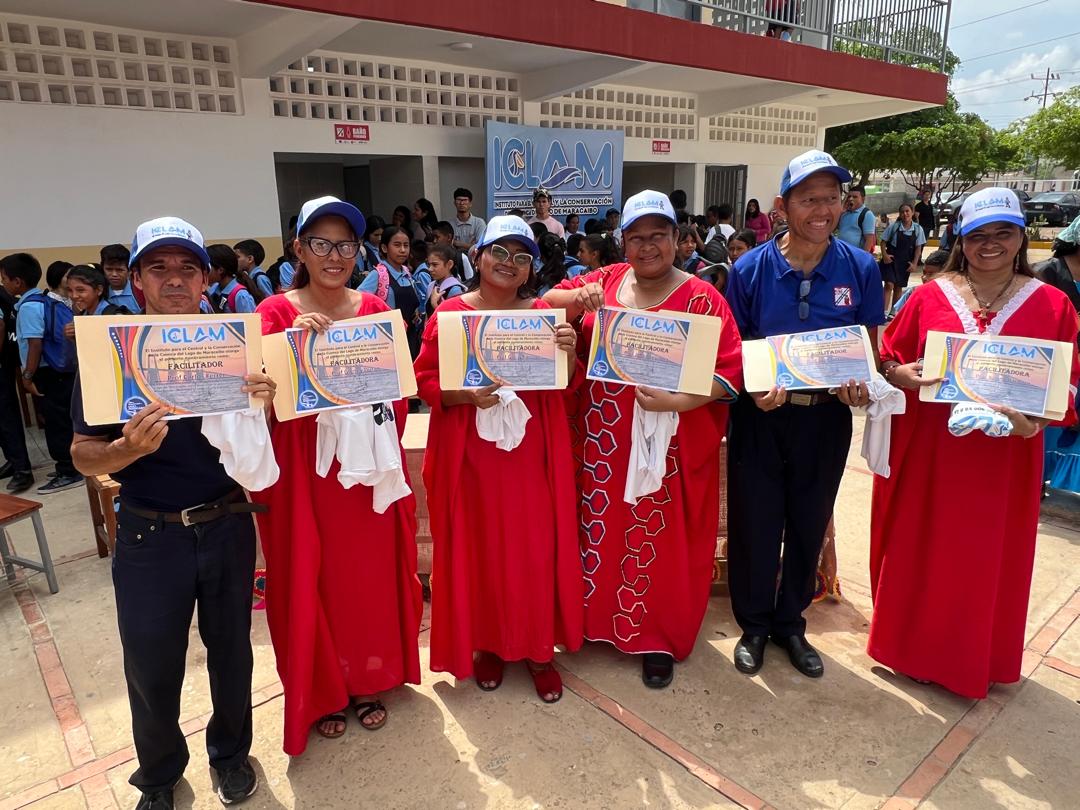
x=787, y=451
x=184, y=538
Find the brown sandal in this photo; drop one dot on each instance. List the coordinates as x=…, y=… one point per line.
x=366, y=708
x=335, y=717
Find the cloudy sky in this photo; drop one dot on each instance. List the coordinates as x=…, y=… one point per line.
x=995, y=85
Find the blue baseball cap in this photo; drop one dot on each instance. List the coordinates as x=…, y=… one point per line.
x=645, y=204
x=508, y=227
x=990, y=205
x=168, y=232
x=330, y=206
x=809, y=163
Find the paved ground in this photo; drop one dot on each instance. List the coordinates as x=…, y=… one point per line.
x=859, y=738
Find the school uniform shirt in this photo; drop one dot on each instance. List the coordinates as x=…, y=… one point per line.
x=845, y=290
x=285, y=275
x=849, y=230
x=101, y=307
x=898, y=227
x=125, y=298
x=262, y=281
x=468, y=231
x=421, y=281
x=244, y=301
x=29, y=323
x=722, y=228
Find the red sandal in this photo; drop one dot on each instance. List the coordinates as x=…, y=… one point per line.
x=547, y=681
x=488, y=668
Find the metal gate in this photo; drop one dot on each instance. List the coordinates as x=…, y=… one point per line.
x=726, y=184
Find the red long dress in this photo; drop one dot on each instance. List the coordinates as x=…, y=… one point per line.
x=507, y=574
x=342, y=598
x=952, y=532
x=648, y=567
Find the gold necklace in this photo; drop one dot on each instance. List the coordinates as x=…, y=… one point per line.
x=983, y=316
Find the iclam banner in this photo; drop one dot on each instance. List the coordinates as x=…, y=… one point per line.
x=582, y=169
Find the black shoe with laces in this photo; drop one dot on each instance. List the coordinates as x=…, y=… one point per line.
x=60, y=483
x=161, y=800
x=237, y=784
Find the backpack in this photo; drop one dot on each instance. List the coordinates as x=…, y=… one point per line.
x=715, y=250
x=57, y=350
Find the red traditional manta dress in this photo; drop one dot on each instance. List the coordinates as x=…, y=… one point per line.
x=342, y=598
x=952, y=532
x=507, y=574
x=648, y=567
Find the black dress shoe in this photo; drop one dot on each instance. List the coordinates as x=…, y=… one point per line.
x=237, y=784
x=7, y=470
x=803, y=657
x=161, y=800
x=20, y=482
x=750, y=653
x=657, y=670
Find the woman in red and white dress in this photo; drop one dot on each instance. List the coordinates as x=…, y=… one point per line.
x=648, y=565
x=953, y=528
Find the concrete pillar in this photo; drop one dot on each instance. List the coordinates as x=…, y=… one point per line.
x=690, y=177
x=430, y=169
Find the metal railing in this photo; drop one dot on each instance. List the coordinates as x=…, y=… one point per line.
x=906, y=32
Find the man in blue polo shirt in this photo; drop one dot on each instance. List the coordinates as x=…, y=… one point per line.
x=787, y=451
x=857, y=223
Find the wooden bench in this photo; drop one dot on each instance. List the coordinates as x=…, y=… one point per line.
x=414, y=441
x=12, y=510
x=102, y=493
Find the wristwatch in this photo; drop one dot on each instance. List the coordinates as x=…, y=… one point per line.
x=28, y=375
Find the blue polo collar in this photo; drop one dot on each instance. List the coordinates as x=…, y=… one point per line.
x=783, y=267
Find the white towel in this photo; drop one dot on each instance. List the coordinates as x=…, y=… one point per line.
x=968, y=416
x=244, y=441
x=885, y=400
x=650, y=436
x=368, y=451
x=504, y=423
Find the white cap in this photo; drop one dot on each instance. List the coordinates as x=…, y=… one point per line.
x=508, y=227
x=644, y=204
x=168, y=232
x=990, y=205
x=809, y=163
x=324, y=206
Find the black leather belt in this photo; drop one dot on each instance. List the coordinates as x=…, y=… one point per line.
x=232, y=504
x=806, y=399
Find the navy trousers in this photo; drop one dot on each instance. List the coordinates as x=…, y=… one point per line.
x=161, y=573
x=784, y=470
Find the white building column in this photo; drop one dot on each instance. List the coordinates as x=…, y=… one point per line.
x=430, y=168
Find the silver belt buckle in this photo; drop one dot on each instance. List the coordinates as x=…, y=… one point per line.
x=185, y=514
x=801, y=399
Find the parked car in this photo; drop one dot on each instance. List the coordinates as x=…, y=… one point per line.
x=950, y=207
x=1053, y=207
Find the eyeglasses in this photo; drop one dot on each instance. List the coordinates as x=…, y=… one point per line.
x=322, y=247
x=804, y=305
x=502, y=255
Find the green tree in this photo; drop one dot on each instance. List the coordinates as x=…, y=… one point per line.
x=1054, y=133
x=956, y=153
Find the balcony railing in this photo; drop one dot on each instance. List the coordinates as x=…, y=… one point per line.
x=906, y=32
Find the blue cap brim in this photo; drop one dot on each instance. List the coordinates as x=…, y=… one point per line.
x=842, y=174
x=986, y=219
x=528, y=244
x=171, y=241
x=347, y=211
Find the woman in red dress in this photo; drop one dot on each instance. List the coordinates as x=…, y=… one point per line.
x=953, y=528
x=342, y=597
x=648, y=565
x=506, y=584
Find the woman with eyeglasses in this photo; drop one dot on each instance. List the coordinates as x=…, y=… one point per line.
x=950, y=570
x=787, y=453
x=648, y=564
x=506, y=584
x=343, y=601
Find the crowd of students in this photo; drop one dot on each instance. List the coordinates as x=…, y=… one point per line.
x=552, y=521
